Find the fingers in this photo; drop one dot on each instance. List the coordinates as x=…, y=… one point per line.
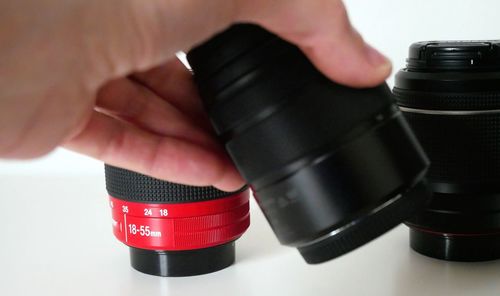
x=33, y=124
x=173, y=82
x=151, y=32
x=121, y=144
x=156, y=127
x=165, y=143
x=134, y=103
x=321, y=28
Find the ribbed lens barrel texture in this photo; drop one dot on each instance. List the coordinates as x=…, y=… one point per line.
x=331, y=167
x=450, y=94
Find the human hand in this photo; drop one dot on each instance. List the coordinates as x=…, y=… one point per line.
x=101, y=78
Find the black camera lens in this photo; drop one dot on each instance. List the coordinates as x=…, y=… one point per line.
x=450, y=95
x=331, y=167
x=173, y=229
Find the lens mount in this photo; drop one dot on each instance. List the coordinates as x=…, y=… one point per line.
x=183, y=263
x=456, y=247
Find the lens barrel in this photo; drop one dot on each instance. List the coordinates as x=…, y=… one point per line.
x=450, y=95
x=331, y=167
x=172, y=229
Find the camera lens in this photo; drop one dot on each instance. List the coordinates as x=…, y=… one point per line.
x=331, y=167
x=450, y=95
x=173, y=229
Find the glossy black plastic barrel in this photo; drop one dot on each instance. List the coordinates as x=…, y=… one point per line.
x=331, y=167
x=450, y=94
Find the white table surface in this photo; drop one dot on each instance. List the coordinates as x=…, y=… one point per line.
x=56, y=240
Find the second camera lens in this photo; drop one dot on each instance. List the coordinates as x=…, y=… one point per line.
x=450, y=94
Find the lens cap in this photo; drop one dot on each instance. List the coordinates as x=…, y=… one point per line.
x=454, y=55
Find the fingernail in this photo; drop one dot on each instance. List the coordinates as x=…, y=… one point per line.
x=376, y=58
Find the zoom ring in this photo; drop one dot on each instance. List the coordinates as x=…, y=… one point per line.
x=464, y=148
x=448, y=101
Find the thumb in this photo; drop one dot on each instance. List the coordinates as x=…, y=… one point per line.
x=321, y=28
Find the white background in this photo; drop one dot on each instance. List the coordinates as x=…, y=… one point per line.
x=389, y=25
x=54, y=237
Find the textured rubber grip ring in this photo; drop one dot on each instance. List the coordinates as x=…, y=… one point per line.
x=132, y=186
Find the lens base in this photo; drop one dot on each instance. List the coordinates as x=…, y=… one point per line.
x=183, y=263
x=367, y=227
x=464, y=248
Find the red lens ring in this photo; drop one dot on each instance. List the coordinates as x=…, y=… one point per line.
x=181, y=226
